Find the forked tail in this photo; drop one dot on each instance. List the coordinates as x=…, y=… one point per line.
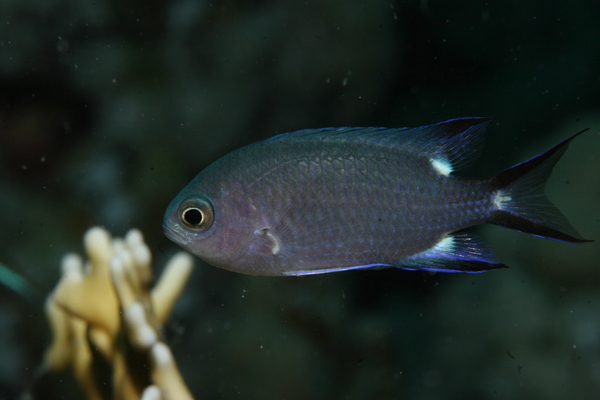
x=522, y=204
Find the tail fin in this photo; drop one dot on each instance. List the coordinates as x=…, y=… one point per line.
x=522, y=204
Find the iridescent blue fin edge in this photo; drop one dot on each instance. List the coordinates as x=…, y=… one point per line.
x=458, y=252
x=339, y=269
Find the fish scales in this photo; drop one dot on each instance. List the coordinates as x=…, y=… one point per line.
x=335, y=193
x=336, y=199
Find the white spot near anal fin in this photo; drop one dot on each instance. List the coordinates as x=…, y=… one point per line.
x=444, y=246
x=441, y=249
x=501, y=199
x=443, y=167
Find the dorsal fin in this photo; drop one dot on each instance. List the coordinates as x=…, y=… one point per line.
x=455, y=142
x=450, y=144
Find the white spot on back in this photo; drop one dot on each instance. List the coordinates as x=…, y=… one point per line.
x=501, y=200
x=442, y=166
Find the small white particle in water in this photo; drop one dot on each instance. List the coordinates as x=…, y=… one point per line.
x=345, y=81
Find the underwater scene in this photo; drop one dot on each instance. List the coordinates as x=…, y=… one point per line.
x=113, y=284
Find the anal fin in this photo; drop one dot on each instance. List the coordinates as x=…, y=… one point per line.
x=458, y=252
x=329, y=270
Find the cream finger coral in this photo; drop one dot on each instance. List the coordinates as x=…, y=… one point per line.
x=107, y=304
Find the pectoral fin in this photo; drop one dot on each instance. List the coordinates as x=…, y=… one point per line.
x=265, y=242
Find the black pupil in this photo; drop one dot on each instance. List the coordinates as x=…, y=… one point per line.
x=192, y=216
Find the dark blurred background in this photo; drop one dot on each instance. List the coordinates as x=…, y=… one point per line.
x=108, y=108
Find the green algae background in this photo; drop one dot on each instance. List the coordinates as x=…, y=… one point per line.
x=107, y=109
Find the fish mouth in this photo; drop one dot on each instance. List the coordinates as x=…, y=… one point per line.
x=174, y=233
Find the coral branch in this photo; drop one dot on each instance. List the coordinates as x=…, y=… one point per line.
x=108, y=305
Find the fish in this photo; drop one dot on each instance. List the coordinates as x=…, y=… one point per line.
x=335, y=199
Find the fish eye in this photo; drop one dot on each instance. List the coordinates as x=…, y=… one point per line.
x=196, y=214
